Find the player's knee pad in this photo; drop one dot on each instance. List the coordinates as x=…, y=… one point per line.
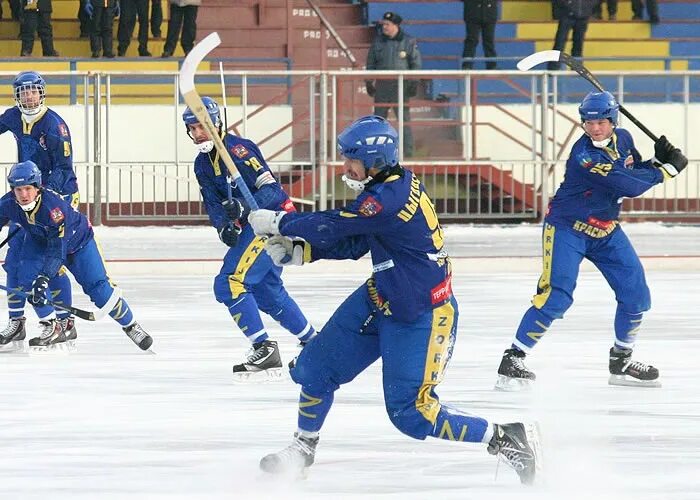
x=272, y=304
x=556, y=304
x=100, y=292
x=313, y=375
x=636, y=301
x=410, y=421
x=227, y=287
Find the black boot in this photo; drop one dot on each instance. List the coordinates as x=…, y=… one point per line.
x=519, y=444
x=625, y=371
x=513, y=375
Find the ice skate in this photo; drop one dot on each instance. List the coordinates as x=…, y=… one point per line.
x=513, y=375
x=294, y=459
x=263, y=363
x=625, y=371
x=51, y=335
x=519, y=445
x=13, y=335
x=68, y=326
x=139, y=336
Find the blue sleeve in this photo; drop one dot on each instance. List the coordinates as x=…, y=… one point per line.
x=61, y=153
x=212, y=199
x=352, y=247
x=54, y=218
x=611, y=175
x=270, y=196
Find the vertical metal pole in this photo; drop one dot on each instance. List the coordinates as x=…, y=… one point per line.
x=400, y=117
x=323, y=146
x=177, y=119
x=312, y=135
x=466, y=136
x=544, y=167
x=244, y=103
x=97, y=151
x=686, y=115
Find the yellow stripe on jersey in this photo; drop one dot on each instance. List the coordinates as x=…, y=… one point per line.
x=545, y=283
x=251, y=253
x=438, y=347
x=310, y=401
x=347, y=214
x=446, y=432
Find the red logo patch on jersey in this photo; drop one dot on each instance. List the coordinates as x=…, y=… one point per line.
x=56, y=215
x=370, y=207
x=239, y=151
x=63, y=129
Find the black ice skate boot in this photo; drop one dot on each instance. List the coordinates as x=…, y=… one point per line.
x=263, y=363
x=294, y=459
x=519, y=444
x=68, y=326
x=625, y=371
x=12, y=336
x=513, y=375
x=139, y=336
x=51, y=333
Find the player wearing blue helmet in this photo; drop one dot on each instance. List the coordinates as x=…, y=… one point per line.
x=583, y=222
x=405, y=313
x=43, y=138
x=248, y=281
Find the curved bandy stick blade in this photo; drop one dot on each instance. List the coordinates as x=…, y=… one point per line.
x=196, y=55
x=543, y=56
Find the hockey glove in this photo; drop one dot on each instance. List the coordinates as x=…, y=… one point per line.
x=674, y=165
x=663, y=148
x=265, y=222
x=88, y=9
x=371, y=89
x=236, y=209
x=284, y=251
x=39, y=289
x=229, y=234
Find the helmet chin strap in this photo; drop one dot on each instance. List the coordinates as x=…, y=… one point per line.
x=602, y=144
x=30, y=115
x=205, y=147
x=357, y=186
x=29, y=206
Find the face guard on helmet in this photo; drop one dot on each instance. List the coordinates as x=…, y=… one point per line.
x=30, y=92
x=25, y=173
x=373, y=141
x=190, y=119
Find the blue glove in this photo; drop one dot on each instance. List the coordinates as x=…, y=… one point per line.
x=117, y=10
x=229, y=234
x=39, y=289
x=236, y=209
x=88, y=9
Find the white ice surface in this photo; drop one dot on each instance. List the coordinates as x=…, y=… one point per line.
x=108, y=422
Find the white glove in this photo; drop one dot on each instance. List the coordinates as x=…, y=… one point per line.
x=284, y=251
x=265, y=222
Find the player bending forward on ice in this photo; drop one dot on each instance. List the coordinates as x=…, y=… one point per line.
x=582, y=222
x=405, y=312
x=248, y=280
x=56, y=235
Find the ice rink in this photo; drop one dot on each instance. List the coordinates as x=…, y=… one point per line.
x=107, y=421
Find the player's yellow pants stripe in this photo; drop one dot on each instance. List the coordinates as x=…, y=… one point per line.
x=438, y=348
x=310, y=401
x=545, y=284
x=251, y=253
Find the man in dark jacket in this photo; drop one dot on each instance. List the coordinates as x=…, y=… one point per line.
x=393, y=49
x=479, y=16
x=36, y=17
x=572, y=14
x=652, y=10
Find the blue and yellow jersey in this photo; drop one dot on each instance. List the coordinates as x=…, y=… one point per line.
x=596, y=181
x=212, y=176
x=53, y=223
x=47, y=142
x=395, y=221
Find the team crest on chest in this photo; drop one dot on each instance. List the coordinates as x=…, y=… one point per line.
x=42, y=142
x=56, y=215
x=370, y=207
x=63, y=130
x=240, y=151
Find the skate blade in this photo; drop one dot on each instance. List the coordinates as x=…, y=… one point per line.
x=60, y=348
x=14, y=347
x=624, y=380
x=509, y=384
x=269, y=375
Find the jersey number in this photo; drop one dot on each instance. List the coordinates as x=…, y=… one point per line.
x=431, y=218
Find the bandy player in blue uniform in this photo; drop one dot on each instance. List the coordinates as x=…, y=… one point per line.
x=405, y=313
x=248, y=281
x=44, y=138
x=582, y=222
x=57, y=235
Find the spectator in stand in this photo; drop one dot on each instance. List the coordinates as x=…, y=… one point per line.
x=127, y=22
x=102, y=14
x=156, y=18
x=83, y=19
x=572, y=15
x=393, y=49
x=652, y=10
x=15, y=9
x=612, y=10
x=480, y=16
x=183, y=14
x=36, y=17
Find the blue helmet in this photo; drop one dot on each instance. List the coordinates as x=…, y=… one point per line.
x=25, y=173
x=212, y=108
x=372, y=140
x=598, y=106
x=25, y=82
